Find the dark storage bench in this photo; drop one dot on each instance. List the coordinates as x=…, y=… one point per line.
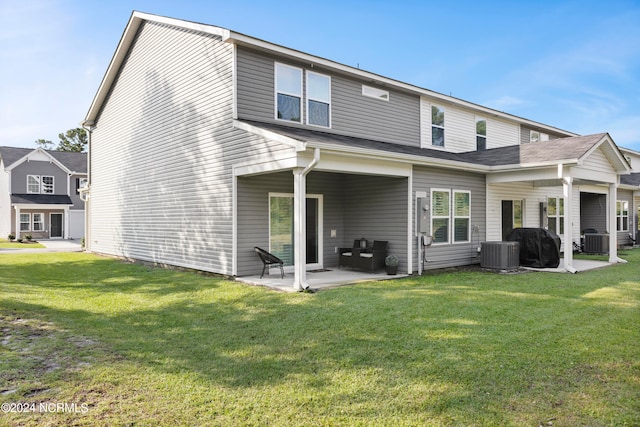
x=364, y=257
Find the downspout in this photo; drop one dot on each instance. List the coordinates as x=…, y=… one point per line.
x=300, y=262
x=89, y=126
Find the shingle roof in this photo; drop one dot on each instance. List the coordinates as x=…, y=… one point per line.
x=540, y=152
x=42, y=199
x=75, y=162
x=632, y=179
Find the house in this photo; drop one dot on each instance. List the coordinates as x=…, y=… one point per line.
x=39, y=193
x=205, y=142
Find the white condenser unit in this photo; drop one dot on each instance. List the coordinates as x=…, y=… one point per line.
x=500, y=255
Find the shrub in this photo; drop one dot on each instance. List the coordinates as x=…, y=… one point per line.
x=391, y=261
x=11, y=237
x=28, y=237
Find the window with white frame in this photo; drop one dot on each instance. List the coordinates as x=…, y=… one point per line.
x=555, y=215
x=318, y=99
x=47, y=184
x=622, y=215
x=25, y=222
x=33, y=184
x=437, y=126
x=461, y=216
x=38, y=222
x=481, y=133
x=376, y=93
x=450, y=216
x=440, y=214
x=536, y=136
x=288, y=93
x=37, y=184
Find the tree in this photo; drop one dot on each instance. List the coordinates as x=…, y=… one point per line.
x=45, y=144
x=73, y=140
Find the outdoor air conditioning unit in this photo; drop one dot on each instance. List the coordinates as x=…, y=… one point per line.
x=596, y=243
x=500, y=255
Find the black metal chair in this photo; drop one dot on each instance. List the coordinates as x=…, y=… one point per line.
x=268, y=260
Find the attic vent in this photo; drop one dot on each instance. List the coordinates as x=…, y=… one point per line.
x=373, y=92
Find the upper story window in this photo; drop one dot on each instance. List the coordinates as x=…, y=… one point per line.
x=535, y=136
x=39, y=184
x=437, y=126
x=289, y=96
x=318, y=99
x=373, y=92
x=288, y=93
x=481, y=133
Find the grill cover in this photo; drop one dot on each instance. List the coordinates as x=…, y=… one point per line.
x=539, y=248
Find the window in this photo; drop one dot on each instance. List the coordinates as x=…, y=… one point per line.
x=481, y=134
x=33, y=184
x=535, y=136
x=39, y=184
x=25, y=222
x=375, y=93
x=288, y=93
x=81, y=183
x=47, y=185
x=450, y=216
x=555, y=214
x=440, y=205
x=622, y=215
x=318, y=99
x=437, y=126
x=461, y=216
x=38, y=222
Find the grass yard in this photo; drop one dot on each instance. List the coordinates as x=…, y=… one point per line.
x=101, y=342
x=6, y=244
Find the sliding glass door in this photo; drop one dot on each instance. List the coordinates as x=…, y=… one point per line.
x=281, y=228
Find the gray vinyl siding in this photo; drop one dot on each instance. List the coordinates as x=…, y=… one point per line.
x=452, y=254
x=20, y=172
x=593, y=212
x=162, y=153
x=354, y=206
x=376, y=208
x=353, y=114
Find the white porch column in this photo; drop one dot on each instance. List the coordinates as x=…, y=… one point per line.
x=17, y=208
x=613, y=223
x=567, y=189
x=299, y=229
x=65, y=227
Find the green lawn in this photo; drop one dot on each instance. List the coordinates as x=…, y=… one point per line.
x=124, y=344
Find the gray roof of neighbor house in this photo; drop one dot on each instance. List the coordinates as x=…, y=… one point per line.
x=41, y=199
x=75, y=162
x=546, y=152
x=632, y=179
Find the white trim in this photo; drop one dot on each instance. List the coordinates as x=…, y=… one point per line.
x=234, y=74
x=273, y=136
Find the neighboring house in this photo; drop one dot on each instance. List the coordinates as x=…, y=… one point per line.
x=630, y=188
x=39, y=193
x=205, y=143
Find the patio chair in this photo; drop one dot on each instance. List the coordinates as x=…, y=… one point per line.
x=269, y=259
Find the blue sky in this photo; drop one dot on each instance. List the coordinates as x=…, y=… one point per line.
x=574, y=65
